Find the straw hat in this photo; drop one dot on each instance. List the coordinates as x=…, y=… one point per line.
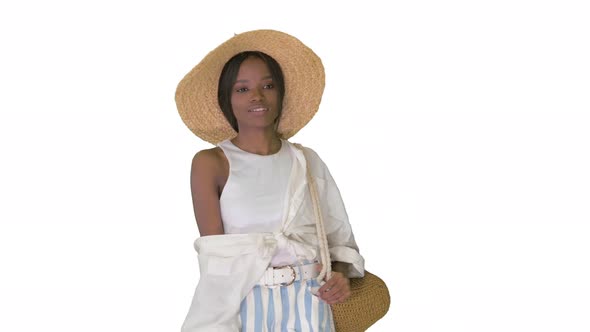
x=196, y=94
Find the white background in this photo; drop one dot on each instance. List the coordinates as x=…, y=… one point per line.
x=457, y=131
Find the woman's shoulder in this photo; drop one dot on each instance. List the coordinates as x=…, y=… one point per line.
x=309, y=152
x=316, y=163
x=306, y=149
x=209, y=160
x=214, y=154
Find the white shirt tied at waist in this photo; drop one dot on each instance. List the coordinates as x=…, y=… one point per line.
x=231, y=264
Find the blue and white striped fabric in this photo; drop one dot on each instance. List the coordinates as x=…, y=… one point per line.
x=286, y=309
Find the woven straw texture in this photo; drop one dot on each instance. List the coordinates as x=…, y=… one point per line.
x=196, y=94
x=368, y=303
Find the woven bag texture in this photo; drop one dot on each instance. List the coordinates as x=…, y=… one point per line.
x=368, y=303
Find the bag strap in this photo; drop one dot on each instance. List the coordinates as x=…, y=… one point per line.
x=321, y=231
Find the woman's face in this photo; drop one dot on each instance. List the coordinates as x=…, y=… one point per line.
x=254, y=98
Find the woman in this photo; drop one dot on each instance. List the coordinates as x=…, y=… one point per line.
x=258, y=250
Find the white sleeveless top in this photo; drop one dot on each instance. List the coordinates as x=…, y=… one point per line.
x=253, y=198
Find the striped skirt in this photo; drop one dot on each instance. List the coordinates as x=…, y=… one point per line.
x=286, y=309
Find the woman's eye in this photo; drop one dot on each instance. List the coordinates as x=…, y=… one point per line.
x=242, y=90
x=269, y=86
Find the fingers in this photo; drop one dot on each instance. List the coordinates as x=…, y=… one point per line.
x=335, y=290
x=337, y=296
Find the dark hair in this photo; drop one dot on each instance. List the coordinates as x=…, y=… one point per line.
x=228, y=77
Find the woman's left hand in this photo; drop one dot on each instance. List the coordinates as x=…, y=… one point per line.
x=335, y=290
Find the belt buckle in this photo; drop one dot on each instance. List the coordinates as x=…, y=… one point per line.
x=293, y=274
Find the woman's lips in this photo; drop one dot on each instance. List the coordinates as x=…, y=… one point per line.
x=258, y=109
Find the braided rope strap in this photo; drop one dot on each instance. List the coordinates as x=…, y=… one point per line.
x=369, y=300
x=322, y=238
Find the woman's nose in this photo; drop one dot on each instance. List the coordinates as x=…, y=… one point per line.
x=256, y=95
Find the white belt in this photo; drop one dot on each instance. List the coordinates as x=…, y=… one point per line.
x=286, y=275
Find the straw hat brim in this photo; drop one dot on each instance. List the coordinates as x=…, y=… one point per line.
x=196, y=94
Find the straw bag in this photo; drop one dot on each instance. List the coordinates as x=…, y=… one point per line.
x=367, y=304
x=369, y=300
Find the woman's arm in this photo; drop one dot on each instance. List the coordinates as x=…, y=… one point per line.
x=208, y=175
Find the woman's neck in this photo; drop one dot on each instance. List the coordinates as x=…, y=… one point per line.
x=262, y=143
